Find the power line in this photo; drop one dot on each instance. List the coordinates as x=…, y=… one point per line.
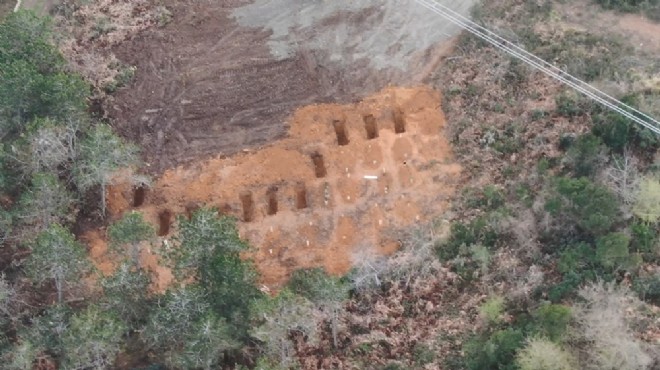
x=509, y=47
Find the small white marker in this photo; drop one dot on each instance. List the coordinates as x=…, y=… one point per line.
x=307, y=241
x=370, y=177
x=271, y=251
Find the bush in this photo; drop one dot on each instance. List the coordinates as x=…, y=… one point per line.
x=647, y=204
x=612, y=250
x=575, y=258
x=423, y=355
x=592, y=207
x=462, y=236
x=495, y=352
x=644, y=238
x=584, y=155
x=568, y=286
x=552, y=321
x=541, y=354
x=617, y=131
x=648, y=288
x=491, y=311
x=489, y=198
x=571, y=105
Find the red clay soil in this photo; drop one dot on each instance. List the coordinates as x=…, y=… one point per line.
x=299, y=219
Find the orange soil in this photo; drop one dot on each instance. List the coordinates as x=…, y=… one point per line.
x=345, y=212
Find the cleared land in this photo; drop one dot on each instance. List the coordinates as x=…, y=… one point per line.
x=221, y=77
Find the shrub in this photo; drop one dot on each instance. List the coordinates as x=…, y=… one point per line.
x=495, y=352
x=569, y=284
x=612, y=250
x=648, y=288
x=481, y=256
x=584, y=155
x=617, y=131
x=488, y=198
x=644, y=238
x=479, y=231
x=552, y=321
x=647, y=205
x=423, y=354
x=491, y=311
x=575, y=258
x=570, y=105
x=592, y=207
x=542, y=354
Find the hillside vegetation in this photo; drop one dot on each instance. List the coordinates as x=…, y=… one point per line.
x=548, y=259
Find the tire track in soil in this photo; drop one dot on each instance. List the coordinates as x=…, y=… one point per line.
x=207, y=85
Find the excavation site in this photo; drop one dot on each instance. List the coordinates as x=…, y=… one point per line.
x=314, y=128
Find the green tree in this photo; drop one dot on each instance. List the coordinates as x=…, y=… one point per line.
x=46, y=202
x=129, y=232
x=58, y=257
x=126, y=292
x=612, y=250
x=592, y=207
x=207, y=250
x=552, y=321
x=102, y=155
x=585, y=155
x=328, y=293
x=202, y=237
x=33, y=81
x=496, y=351
x=185, y=330
x=26, y=36
x=280, y=317
x=92, y=339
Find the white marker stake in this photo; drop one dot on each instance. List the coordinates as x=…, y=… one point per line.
x=370, y=177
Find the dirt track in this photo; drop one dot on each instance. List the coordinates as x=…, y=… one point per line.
x=212, y=82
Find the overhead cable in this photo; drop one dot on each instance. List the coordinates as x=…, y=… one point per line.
x=511, y=48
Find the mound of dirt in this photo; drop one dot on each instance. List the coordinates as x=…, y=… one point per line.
x=341, y=183
x=222, y=76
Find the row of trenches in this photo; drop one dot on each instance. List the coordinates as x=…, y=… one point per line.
x=247, y=204
x=370, y=126
x=247, y=199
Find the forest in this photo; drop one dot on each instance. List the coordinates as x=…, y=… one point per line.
x=548, y=259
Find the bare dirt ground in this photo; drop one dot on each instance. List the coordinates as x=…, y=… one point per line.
x=304, y=201
x=222, y=76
